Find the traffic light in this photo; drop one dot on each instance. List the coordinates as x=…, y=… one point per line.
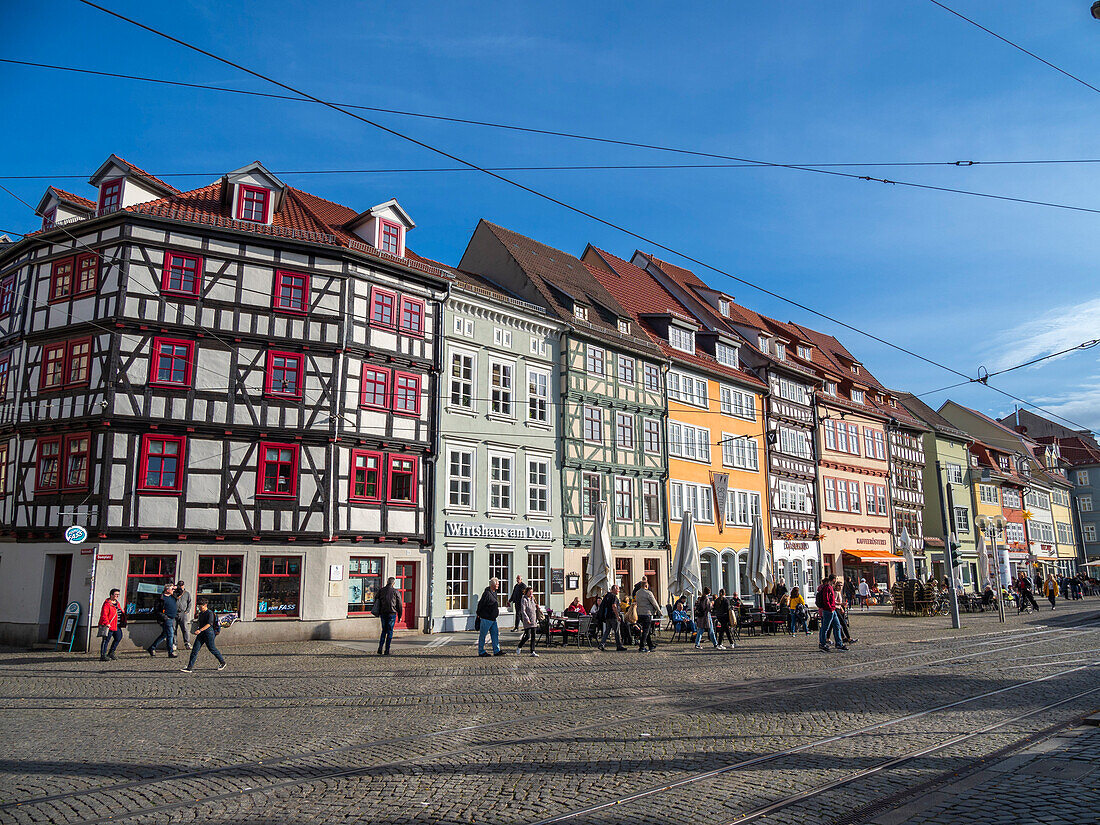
x=953, y=557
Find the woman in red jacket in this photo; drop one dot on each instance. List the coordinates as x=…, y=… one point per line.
x=113, y=619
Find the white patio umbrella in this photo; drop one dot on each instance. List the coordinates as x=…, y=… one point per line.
x=983, y=562
x=599, y=559
x=760, y=562
x=686, y=577
x=907, y=548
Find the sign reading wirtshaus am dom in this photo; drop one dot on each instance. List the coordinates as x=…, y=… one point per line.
x=472, y=530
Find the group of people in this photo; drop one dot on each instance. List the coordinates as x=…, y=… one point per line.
x=172, y=612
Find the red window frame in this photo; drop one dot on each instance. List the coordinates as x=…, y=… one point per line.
x=185, y=258
x=61, y=279
x=68, y=453
x=365, y=456
x=7, y=295
x=284, y=302
x=269, y=373
x=412, y=310
x=278, y=567
x=148, y=443
x=413, y=469
x=158, y=353
x=214, y=570
x=264, y=461
x=376, y=296
x=159, y=570
x=411, y=387
x=387, y=231
x=387, y=378
x=86, y=274
x=68, y=355
x=62, y=455
x=42, y=483
x=251, y=196
x=49, y=218
x=53, y=356
x=3, y=469
x=110, y=194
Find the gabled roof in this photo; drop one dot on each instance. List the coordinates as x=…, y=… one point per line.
x=930, y=417
x=152, y=180
x=1077, y=451
x=382, y=207
x=64, y=197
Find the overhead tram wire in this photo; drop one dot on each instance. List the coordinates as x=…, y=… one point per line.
x=823, y=169
x=1016, y=46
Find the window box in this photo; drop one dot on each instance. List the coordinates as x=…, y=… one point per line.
x=161, y=465
x=182, y=275
x=173, y=363
x=280, y=587
x=277, y=472
x=291, y=294
x=283, y=376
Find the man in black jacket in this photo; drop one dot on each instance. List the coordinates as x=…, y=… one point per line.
x=516, y=598
x=488, y=608
x=610, y=614
x=388, y=602
x=166, y=615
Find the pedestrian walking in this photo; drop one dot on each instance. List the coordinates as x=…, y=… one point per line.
x=848, y=590
x=1051, y=590
x=648, y=610
x=111, y=622
x=610, y=614
x=166, y=615
x=206, y=629
x=704, y=621
x=488, y=608
x=528, y=616
x=183, y=612
x=864, y=593
x=826, y=601
x=720, y=614
x=1023, y=587
x=514, y=600
x=387, y=607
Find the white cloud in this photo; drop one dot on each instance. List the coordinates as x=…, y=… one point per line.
x=1056, y=329
x=1081, y=406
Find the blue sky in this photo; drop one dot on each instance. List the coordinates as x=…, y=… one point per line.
x=966, y=281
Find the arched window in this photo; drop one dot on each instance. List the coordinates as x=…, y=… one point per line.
x=708, y=570
x=745, y=587
x=796, y=574
x=781, y=573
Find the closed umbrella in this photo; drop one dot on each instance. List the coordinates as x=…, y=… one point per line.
x=907, y=547
x=599, y=560
x=686, y=578
x=760, y=563
x=983, y=562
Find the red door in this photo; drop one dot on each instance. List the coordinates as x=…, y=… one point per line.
x=59, y=596
x=406, y=588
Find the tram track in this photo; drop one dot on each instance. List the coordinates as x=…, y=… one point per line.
x=270, y=769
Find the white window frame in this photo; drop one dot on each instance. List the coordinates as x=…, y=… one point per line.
x=452, y=380
x=725, y=354
x=962, y=521
x=741, y=452
x=1089, y=532
x=595, y=360
x=688, y=442
x=742, y=506
x=954, y=474
x=987, y=494
x=857, y=396
x=804, y=352
x=502, y=399
x=502, y=337
x=687, y=495
x=794, y=497
x=780, y=350
x=1085, y=503
x=1082, y=478
x=498, y=488
x=681, y=339
x=737, y=403
x=471, y=493
x=533, y=487
x=584, y=489
x=1010, y=499
x=592, y=415
x=830, y=388
x=795, y=442
x=688, y=389
x=534, y=397
x=538, y=346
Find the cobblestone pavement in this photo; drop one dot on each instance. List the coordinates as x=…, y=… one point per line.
x=321, y=732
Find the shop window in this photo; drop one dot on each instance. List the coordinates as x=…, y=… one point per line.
x=291, y=292
x=145, y=580
x=161, y=463
x=458, y=581
x=221, y=579
x=366, y=476
x=278, y=471
x=538, y=575
x=364, y=582
x=280, y=586
x=182, y=274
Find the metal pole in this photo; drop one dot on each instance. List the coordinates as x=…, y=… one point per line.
x=947, y=531
x=1000, y=574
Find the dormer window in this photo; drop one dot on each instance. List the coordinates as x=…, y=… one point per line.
x=805, y=352
x=725, y=354
x=252, y=203
x=49, y=219
x=580, y=311
x=725, y=307
x=857, y=396
x=389, y=237
x=624, y=326
x=762, y=342
x=781, y=350
x=830, y=388
x=110, y=195
x=681, y=339
x=855, y=369
x=894, y=403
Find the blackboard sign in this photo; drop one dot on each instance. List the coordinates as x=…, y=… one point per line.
x=69, y=623
x=557, y=580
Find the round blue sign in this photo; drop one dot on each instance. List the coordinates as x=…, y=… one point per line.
x=76, y=534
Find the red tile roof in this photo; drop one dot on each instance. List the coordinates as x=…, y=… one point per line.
x=76, y=200
x=141, y=173
x=1076, y=450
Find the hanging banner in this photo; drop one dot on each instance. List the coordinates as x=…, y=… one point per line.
x=721, y=484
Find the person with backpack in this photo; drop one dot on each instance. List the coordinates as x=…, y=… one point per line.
x=206, y=629
x=648, y=611
x=798, y=614
x=387, y=607
x=826, y=602
x=610, y=614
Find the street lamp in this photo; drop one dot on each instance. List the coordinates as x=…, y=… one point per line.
x=993, y=527
x=1096, y=9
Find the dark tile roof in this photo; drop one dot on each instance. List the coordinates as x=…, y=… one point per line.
x=929, y=416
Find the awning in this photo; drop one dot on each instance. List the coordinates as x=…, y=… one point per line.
x=874, y=556
x=932, y=541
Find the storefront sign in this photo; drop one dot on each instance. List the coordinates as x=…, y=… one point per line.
x=76, y=534
x=784, y=546
x=721, y=484
x=87, y=551
x=335, y=572
x=573, y=582
x=557, y=580
x=881, y=542
x=471, y=530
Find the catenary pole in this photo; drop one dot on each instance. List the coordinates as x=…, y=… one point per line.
x=947, y=508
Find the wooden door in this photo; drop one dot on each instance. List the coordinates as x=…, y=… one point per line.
x=59, y=598
x=406, y=589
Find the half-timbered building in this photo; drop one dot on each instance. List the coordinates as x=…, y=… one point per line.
x=612, y=388
x=228, y=386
